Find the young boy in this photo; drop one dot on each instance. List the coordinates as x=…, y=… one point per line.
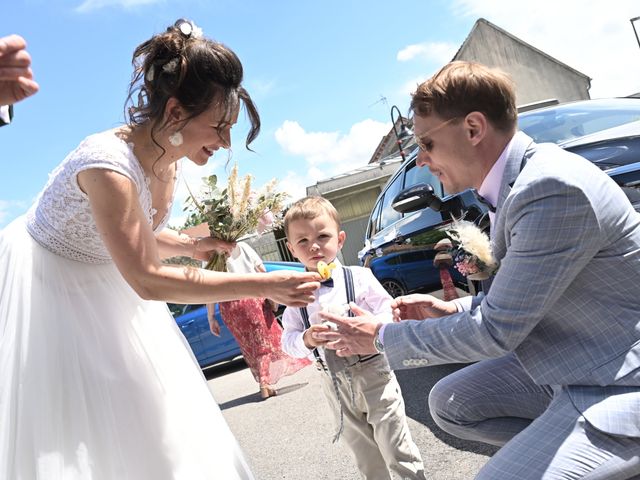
x=362, y=391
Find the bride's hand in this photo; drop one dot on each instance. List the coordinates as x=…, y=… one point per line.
x=294, y=289
x=206, y=246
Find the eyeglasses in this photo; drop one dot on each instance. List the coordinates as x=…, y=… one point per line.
x=419, y=139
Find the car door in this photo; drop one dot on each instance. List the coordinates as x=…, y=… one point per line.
x=400, y=248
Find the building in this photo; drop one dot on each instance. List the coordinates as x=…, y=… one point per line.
x=537, y=76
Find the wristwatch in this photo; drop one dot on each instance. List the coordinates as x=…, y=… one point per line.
x=376, y=340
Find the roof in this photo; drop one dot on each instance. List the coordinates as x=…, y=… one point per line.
x=481, y=21
x=356, y=177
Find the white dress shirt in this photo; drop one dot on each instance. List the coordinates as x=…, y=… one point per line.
x=370, y=296
x=4, y=114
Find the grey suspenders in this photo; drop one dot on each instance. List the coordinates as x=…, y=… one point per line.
x=351, y=297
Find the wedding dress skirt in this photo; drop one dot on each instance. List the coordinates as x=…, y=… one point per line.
x=96, y=383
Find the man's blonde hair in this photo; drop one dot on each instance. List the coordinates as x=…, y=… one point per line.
x=460, y=88
x=308, y=208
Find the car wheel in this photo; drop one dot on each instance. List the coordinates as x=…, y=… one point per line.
x=395, y=289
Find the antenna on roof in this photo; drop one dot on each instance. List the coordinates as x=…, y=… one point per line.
x=382, y=99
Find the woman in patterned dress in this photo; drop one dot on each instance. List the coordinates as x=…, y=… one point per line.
x=253, y=324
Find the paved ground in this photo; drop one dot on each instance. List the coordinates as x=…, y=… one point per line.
x=289, y=436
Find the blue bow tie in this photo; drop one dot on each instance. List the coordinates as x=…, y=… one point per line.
x=327, y=283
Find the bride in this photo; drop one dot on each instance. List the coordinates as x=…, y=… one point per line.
x=96, y=380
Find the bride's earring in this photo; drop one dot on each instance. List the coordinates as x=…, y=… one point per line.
x=176, y=139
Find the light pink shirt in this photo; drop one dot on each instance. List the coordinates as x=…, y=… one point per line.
x=490, y=188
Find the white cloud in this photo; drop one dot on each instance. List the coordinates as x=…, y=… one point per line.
x=594, y=37
x=91, y=5
x=328, y=153
x=295, y=185
x=439, y=53
x=338, y=152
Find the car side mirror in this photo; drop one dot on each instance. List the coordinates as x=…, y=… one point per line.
x=416, y=198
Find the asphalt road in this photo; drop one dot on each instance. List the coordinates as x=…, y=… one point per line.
x=289, y=436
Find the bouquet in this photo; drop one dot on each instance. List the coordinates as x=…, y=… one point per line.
x=471, y=250
x=235, y=211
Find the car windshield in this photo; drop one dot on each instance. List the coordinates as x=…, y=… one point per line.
x=565, y=122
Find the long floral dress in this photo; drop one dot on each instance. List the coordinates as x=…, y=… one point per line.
x=255, y=328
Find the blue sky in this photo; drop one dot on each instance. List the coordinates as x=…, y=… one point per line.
x=324, y=74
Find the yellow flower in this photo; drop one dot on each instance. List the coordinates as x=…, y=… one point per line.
x=324, y=269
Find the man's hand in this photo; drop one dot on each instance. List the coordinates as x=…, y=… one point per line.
x=354, y=335
x=16, y=78
x=419, y=306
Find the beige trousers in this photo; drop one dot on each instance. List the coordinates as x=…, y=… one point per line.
x=375, y=425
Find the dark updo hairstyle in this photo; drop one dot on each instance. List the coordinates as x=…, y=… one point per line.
x=197, y=71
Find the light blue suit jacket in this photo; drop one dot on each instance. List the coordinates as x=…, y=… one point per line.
x=566, y=298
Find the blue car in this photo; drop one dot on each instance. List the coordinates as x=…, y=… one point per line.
x=192, y=320
x=411, y=271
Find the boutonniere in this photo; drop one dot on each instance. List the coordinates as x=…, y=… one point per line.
x=324, y=269
x=471, y=252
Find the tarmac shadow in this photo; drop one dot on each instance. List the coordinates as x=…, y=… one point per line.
x=256, y=398
x=416, y=384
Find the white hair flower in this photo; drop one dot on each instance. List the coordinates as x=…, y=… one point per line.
x=189, y=29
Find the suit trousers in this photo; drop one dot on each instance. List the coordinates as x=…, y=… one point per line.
x=375, y=424
x=542, y=435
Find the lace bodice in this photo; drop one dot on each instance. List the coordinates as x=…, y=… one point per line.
x=61, y=219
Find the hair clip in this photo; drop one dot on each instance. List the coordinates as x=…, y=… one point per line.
x=189, y=29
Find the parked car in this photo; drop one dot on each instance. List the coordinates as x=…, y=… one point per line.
x=193, y=322
x=399, y=242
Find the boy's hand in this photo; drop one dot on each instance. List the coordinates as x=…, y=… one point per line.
x=309, y=341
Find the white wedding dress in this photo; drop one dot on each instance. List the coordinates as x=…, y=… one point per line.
x=96, y=383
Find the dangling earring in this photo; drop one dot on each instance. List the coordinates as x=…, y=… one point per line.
x=176, y=139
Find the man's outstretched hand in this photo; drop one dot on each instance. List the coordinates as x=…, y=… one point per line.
x=16, y=77
x=354, y=335
x=420, y=306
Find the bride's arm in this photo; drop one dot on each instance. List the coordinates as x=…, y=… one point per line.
x=174, y=244
x=134, y=249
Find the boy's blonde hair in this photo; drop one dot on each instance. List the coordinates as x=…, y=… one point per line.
x=308, y=208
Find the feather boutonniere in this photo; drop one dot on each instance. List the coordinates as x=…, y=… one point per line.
x=471, y=252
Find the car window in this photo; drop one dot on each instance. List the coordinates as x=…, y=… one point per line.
x=558, y=124
x=415, y=175
x=372, y=229
x=387, y=214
